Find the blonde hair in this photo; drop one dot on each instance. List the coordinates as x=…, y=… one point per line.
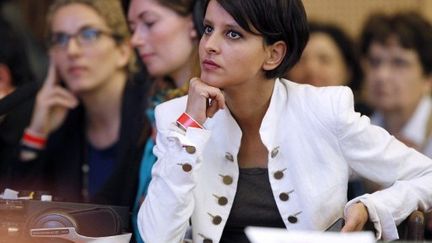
x=110, y=11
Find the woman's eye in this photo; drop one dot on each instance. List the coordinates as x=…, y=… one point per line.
x=233, y=35
x=132, y=28
x=149, y=24
x=207, y=29
x=90, y=34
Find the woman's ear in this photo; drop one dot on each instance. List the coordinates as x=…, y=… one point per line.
x=125, y=51
x=275, y=55
x=427, y=84
x=6, y=84
x=192, y=29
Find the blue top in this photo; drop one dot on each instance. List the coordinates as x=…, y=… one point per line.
x=101, y=166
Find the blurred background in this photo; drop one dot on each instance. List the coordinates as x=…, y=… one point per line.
x=29, y=17
x=351, y=14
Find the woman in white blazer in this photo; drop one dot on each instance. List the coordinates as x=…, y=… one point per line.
x=248, y=148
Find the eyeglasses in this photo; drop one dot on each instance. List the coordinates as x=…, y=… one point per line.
x=85, y=37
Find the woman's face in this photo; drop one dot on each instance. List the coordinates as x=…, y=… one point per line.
x=229, y=55
x=394, y=77
x=321, y=64
x=90, y=57
x=164, y=39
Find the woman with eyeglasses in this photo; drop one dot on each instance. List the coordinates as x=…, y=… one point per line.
x=84, y=142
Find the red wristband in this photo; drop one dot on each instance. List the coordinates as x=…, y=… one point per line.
x=185, y=121
x=33, y=140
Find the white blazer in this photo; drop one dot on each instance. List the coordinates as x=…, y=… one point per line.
x=314, y=139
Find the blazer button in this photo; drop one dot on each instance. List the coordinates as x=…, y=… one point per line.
x=284, y=196
x=190, y=149
x=274, y=152
x=229, y=157
x=293, y=218
x=216, y=220
x=221, y=200
x=206, y=240
x=186, y=167
x=279, y=174
x=227, y=180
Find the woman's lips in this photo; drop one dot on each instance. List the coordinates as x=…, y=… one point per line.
x=146, y=56
x=76, y=70
x=210, y=65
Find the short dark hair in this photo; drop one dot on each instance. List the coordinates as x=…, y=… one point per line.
x=345, y=46
x=411, y=30
x=275, y=20
x=13, y=54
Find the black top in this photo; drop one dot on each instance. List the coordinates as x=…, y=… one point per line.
x=253, y=205
x=59, y=168
x=15, y=114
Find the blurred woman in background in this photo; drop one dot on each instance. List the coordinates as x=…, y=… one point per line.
x=16, y=109
x=83, y=143
x=166, y=35
x=330, y=58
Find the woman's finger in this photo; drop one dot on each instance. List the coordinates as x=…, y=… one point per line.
x=350, y=226
x=356, y=217
x=198, y=96
x=60, y=101
x=58, y=90
x=212, y=108
x=52, y=77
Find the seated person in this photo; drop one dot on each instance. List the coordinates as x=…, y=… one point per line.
x=246, y=147
x=397, y=59
x=86, y=136
x=166, y=34
x=330, y=58
x=15, y=75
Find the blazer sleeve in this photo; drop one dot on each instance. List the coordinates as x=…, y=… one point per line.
x=374, y=154
x=164, y=215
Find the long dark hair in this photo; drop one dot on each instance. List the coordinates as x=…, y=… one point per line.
x=13, y=54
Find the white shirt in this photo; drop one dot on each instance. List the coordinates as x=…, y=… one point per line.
x=416, y=128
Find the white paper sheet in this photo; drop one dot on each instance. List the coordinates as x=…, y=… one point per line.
x=275, y=235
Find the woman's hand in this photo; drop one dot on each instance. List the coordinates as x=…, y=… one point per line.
x=203, y=100
x=355, y=218
x=52, y=105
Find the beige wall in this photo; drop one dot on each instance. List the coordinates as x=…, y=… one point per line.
x=351, y=14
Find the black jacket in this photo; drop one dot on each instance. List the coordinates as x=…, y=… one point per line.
x=13, y=121
x=59, y=168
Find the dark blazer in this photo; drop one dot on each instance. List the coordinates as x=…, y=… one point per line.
x=59, y=168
